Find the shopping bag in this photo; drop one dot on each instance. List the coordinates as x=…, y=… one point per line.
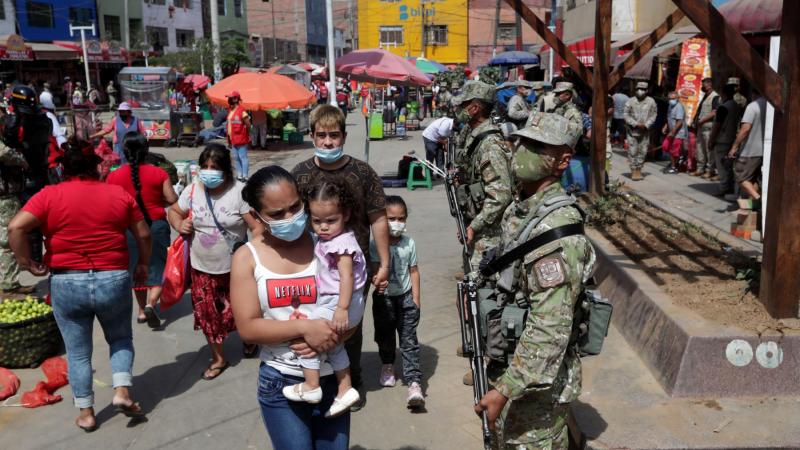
x=176, y=272
x=9, y=383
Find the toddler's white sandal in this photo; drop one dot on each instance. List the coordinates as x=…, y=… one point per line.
x=296, y=393
x=343, y=404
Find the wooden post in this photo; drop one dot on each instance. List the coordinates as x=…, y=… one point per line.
x=553, y=41
x=602, y=47
x=780, y=269
x=740, y=53
x=645, y=46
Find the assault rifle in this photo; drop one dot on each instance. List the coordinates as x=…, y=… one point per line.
x=467, y=304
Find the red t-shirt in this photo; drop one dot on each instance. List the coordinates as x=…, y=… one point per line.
x=84, y=224
x=151, y=179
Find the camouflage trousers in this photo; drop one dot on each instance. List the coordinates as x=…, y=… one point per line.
x=533, y=422
x=9, y=270
x=637, y=150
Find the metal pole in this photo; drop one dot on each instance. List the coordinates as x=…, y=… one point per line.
x=274, y=40
x=215, y=39
x=422, y=27
x=518, y=27
x=83, y=29
x=126, y=32
x=496, y=28
x=331, y=52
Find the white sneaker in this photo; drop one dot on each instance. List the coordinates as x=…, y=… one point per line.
x=387, y=375
x=296, y=393
x=415, y=397
x=342, y=404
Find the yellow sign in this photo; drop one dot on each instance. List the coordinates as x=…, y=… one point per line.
x=15, y=43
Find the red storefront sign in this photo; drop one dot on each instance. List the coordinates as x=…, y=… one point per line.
x=15, y=49
x=583, y=50
x=98, y=51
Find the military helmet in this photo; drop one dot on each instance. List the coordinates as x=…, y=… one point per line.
x=23, y=99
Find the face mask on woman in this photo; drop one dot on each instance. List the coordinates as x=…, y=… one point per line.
x=329, y=156
x=211, y=178
x=288, y=230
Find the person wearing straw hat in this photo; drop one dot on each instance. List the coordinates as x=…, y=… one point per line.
x=640, y=115
x=122, y=124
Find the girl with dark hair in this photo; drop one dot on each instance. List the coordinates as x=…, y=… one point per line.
x=282, y=258
x=151, y=187
x=87, y=258
x=213, y=212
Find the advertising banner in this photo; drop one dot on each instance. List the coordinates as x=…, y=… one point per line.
x=693, y=68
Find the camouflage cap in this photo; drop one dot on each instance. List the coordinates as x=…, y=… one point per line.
x=641, y=85
x=538, y=85
x=475, y=90
x=733, y=80
x=553, y=129
x=563, y=86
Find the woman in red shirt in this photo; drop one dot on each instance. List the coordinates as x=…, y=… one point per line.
x=151, y=188
x=84, y=222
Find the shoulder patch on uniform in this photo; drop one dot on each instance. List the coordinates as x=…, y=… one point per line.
x=549, y=271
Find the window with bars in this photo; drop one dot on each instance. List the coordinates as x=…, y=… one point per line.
x=40, y=15
x=157, y=37
x=237, y=8
x=221, y=7
x=391, y=35
x=112, y=27
x=184, y=38
x=436, y=34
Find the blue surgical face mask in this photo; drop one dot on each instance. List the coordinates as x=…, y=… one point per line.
x=329, y=156
x=288, y=230
x=211, y=178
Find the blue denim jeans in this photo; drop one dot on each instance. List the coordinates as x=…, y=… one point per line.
x=240, y=159
x=300, y=425
x=77, y=300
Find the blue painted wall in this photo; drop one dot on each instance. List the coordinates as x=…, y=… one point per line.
x=60, y=19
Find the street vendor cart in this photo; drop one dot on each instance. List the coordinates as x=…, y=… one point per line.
x=146, y=89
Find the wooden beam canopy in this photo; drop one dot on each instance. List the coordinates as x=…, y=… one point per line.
x=602, y=48
x=722, y=35
x=780, y=269
x=553, y=41
x=645, y=46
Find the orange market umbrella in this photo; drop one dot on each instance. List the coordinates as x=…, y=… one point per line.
x=261, y=91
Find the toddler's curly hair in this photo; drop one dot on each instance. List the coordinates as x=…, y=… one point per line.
x=336, y=191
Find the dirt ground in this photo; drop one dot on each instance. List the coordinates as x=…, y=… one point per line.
x=696, y=270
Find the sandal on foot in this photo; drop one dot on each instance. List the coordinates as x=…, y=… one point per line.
x=218, y=369
x=141, y=319
x=342, y=404
x=296, y=393
x=132, y=410
x=88, y=429
x=151, y=318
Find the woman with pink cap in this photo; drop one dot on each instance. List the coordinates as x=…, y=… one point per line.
x=124, y=123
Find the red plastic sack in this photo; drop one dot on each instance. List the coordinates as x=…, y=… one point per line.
x=39, y=396
x=9, y=383
x=176, y=273
x=55, y=369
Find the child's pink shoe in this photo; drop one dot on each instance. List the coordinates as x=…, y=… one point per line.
x=387, y=375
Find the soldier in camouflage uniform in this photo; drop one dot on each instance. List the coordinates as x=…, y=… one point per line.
x=529, y=402
x=518, y=109
x=640, y=115
x=487, y=165
x=12, y=182
x=564, y=106
x=538, y=89
x=443, y=101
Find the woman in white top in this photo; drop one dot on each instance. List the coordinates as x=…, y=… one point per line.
x=273, y=286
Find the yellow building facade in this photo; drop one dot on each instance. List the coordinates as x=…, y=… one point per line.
x=435, y=29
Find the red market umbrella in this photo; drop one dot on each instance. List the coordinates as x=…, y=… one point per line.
x=261, y=91
x=379, y=65
x=753, y=16
x=308, y=66
x=197, y=81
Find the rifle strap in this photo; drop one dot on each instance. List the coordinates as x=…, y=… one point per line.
x=523, y=249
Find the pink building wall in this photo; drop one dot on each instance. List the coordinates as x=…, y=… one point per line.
x=482, y=28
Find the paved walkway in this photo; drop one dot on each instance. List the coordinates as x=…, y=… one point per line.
x=686, y=197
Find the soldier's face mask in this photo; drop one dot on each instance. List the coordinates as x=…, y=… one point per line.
x=640, y=93
x=530, y=165
x=462, y=116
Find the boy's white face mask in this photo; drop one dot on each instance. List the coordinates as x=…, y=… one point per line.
x=396, y=228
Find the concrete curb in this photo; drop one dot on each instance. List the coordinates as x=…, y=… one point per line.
x=689, y=355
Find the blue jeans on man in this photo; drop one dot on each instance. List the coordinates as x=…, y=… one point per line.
x=77, y=299
x=240, y=160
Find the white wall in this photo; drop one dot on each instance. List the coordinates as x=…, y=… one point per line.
x=7, y=26
x=189, y=19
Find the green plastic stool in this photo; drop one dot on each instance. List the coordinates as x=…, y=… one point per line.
x=412, y=183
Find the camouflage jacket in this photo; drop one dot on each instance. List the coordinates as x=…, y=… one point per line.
x=488, y=163
x=637, y=112
x=518, y=109
x=551, y=277
x=12, y=179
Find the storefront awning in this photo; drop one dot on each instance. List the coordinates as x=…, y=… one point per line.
x=98, y=51
x=673, y=39
x=51, y=52
x=583, y=48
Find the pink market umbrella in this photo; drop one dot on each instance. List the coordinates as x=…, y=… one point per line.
x=379, y=65
x=197, y=81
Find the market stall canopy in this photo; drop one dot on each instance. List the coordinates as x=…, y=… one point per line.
x=261, y=91
x=198, y=81
x=294, y=72
x=674, y=38
x=308, y=66
x=98, y=51
x=378, y=65
x=753, y=16
x=514, y=58
x=428, y=66
x=583, y=48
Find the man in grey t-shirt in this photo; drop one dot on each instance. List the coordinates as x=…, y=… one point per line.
x=748, y=148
